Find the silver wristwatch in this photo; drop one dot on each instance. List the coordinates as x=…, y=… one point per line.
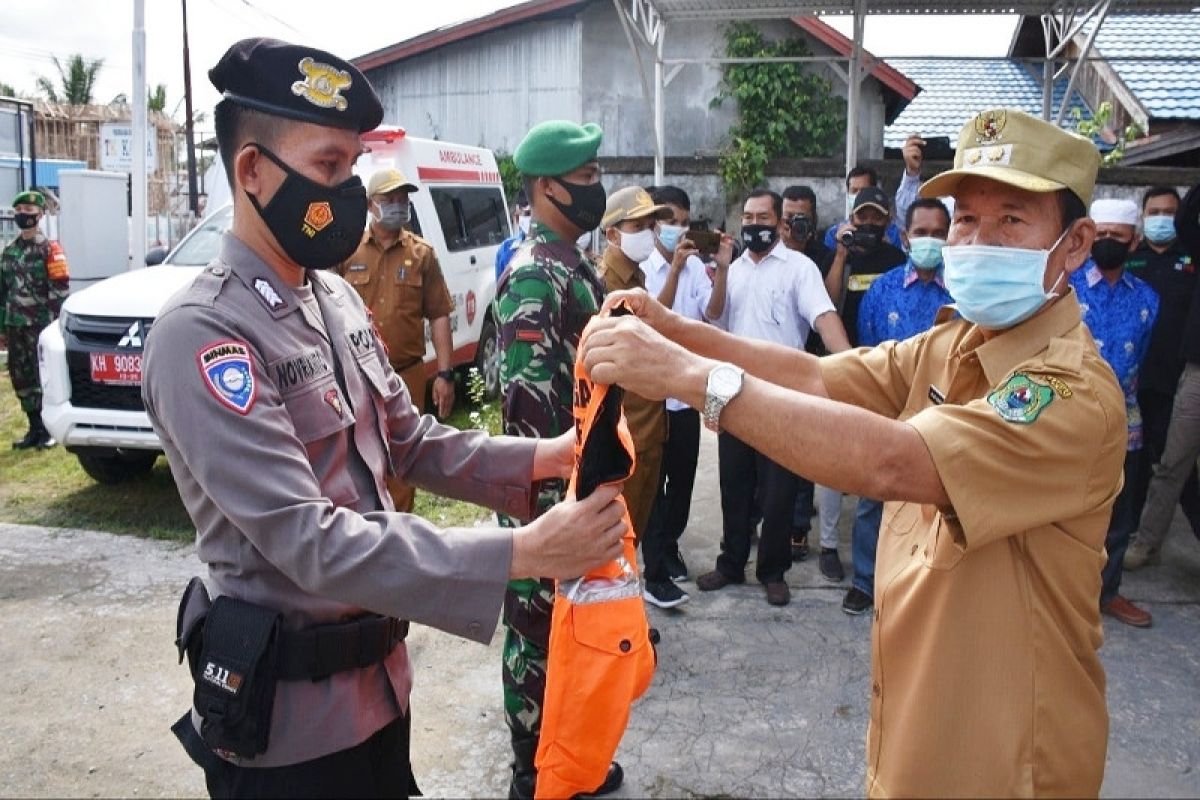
x=724, y=384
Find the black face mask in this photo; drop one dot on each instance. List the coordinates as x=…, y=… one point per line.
x=317, y=226
x=759, y=238
x=587, y=204
x=868, y=237
x=1109, y=253
x=26, y=221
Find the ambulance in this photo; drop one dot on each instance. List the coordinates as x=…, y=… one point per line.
x=91, y=357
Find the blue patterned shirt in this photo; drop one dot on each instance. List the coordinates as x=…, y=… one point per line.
x=1121, y=317
x=899, y=305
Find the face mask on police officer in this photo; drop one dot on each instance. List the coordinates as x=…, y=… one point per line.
x=393, y=216
x=317, y=226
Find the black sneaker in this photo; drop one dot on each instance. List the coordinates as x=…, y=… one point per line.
x=676, y=567
x=857, y=602
x=664, y=594
x=830, y=565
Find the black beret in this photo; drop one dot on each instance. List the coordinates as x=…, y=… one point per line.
x=297, y=82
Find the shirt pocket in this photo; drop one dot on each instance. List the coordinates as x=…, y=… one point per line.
x=771, y=306
x=409, y=281
x=318, y=410
x=358, y=275
x=945, y=545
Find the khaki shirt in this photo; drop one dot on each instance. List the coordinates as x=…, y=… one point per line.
x=647, y=419
x=402, y=284
x=985, y=677
x=281, y=418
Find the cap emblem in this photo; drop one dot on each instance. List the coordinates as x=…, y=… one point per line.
x=989, y=126
x=322, y=84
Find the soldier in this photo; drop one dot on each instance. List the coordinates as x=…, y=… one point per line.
x=545, y=297
x=398, y=276
x=34, y=282
x=281, y=418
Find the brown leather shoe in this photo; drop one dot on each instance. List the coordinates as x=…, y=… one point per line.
x=711, y=581
x=778, y=593
x=1120, y=609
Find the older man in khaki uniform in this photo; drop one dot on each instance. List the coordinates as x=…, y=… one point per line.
x=398, y=276
x=997, y=439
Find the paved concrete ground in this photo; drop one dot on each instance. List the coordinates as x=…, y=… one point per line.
x=749, y=700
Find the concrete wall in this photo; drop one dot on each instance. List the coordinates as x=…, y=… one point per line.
x=488, y=90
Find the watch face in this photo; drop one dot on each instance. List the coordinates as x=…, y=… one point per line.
x=725, y=381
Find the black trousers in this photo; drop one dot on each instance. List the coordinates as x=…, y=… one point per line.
x=744, y=470
x=1122, y=525
x=377, y=768
x=1156, y=419
x=669, y=516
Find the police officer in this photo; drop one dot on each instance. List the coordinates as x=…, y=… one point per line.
x=543, y=300
x=997, y=439
x=34, y=282
x=398, y=276
x=281, y=418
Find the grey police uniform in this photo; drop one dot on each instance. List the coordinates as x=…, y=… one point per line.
x=282, y=469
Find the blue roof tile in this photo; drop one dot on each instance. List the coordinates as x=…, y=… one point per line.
x=1167, y=89
x=955, y=90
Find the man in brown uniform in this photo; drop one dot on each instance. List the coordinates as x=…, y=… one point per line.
x=997, y=440
x=398, y=276
x=628, y=226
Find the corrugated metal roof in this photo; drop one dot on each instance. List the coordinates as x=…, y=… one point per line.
x=1166, y=89
x=761, y=9
x=953, y=90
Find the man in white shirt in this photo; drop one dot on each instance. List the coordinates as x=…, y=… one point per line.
x=677, y=277
x=773, y=294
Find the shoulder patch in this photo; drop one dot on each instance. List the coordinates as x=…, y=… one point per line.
x=1021, y=399
x=226, y=369
x=56, y=263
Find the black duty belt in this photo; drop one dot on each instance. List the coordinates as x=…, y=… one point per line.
x=318, y=652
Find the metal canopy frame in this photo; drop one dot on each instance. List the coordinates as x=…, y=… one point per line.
x=647, y=22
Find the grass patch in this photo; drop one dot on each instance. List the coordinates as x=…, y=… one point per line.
x=48, y=487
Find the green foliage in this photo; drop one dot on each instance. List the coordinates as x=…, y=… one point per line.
x=157, y=99
x=7, y=90
x=784, y=111
x=510, y=176
x=485, y=416
x=1100, y=125
x=77, y=79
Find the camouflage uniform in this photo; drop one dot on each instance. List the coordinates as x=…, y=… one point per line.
x=29, y=301
x=543, y=301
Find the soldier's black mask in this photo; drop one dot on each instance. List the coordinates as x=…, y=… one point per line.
x=587, y=204
x=25, y=221
x=317, y=226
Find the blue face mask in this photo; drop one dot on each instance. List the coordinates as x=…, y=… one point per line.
x=925, y=252
x=998, y=287
x=1159, y=229
x=668, y=235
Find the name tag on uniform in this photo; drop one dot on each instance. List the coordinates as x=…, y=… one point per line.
x=860, y=283
x=935, y=394
x=357, y=268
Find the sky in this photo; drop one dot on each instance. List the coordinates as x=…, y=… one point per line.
x=33, y=33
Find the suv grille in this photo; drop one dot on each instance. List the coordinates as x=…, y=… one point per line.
x=86, y=335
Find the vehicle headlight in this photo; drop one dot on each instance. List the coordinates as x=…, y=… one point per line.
x=63, y=323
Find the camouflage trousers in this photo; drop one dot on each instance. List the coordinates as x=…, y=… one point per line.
x=23, y=366
x=528, y=606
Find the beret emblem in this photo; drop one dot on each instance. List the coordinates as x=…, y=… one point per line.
x=322, y=84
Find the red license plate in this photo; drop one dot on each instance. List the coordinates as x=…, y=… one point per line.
x=121, y=369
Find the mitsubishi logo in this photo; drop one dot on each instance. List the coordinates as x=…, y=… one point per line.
x=133, y=336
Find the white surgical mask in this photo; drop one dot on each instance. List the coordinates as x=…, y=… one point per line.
x=637, y=247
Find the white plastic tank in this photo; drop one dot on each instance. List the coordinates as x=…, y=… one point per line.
x=93, y=224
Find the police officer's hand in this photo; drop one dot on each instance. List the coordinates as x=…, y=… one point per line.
x=644, y=306
x=443, y=396
x=913, y=153
x=623, y=350
x=571, y=538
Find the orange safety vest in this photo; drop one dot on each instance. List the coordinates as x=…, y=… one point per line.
x=600, y=657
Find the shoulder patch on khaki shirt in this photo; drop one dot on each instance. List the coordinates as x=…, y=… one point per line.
x=1021, y=399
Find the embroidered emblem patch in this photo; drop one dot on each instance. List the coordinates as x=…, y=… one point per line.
x=1021, y=399
x=322, y=84
x=268, y=293
x=1059, y=386
x=989, y=126
x=225, y=367
x=317, y=218
x=334, y=401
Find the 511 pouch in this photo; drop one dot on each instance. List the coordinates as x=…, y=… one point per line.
x=235, y=676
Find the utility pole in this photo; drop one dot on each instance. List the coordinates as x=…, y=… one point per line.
x=137, y=222
x=193, y=196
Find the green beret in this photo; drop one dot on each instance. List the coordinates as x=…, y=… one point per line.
x=31, y=197
x=557, y=147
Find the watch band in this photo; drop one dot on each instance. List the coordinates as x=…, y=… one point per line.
x=446, y=374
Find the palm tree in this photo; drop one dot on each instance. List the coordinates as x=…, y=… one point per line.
x=78, y=79
x=157, y=99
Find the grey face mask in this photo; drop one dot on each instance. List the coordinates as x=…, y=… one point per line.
x=394, y=216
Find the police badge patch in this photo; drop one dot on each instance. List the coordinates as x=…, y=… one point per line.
x=1021, y=399
x=225, y=367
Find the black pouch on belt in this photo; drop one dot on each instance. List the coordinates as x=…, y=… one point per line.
x=235, y=676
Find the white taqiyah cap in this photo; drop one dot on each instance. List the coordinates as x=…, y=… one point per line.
x=1115, y=212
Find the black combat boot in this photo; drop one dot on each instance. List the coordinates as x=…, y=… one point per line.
x=45, y=440
x=524, y=775
x=32, y=436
